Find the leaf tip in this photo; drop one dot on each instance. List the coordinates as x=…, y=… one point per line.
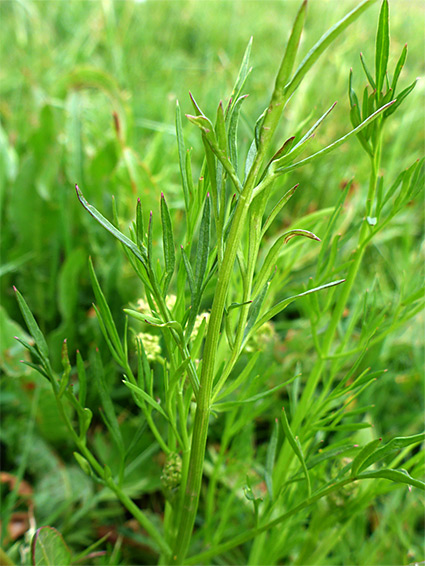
x=15, y=289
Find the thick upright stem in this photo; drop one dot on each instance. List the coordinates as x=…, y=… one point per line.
x=200, y=430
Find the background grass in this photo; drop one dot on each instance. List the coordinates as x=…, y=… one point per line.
x=66, y=70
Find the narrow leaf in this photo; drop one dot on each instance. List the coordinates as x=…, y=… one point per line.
x=110, y=228
x=105, y=398
x=139, y=225
x=229, y=405
x=398, y=68
x=182, y=155
x=273, y=255
x=143, y=395
x=32, y=325
x=300, y=146
x=244, y=71
x=296, y=447
x=400, y=99
x=382, y=46
x=279, y=307
x=105, y=313
x=367, y=73
x=270, y=458
x=338, y=142
x=168, y=243
x=364, y=453
x=189, y=272
x=288, y=60
x=392, y=446
x=233, y=132
x=82, y=380
x=220, y=128
x=398, y=476
x=324, y=42
x=278, y=207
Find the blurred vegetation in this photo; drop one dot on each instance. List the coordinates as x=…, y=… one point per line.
x=87, y=96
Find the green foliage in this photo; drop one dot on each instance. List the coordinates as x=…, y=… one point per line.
x=298, y=284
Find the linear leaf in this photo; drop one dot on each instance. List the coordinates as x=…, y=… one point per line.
x=182, y=154
x=110, y=227
x=279, y=307
x=105, y=398
x=296, y=447
x=105, y=312
x=243, y=376
x=233, y=132
x=338, y=142
x=139, y=224
x=243, y=74
x=400, y=99
x=138, y=391
x=254, y=309
x=273, y=255
x=202, y=250
x=229, y=405
x=392, y=446
x=270, y=458
x=278, y=207
x=367, y=72
x=189, y=272
x=220, y=128
x=382, y=46
x=364, y=453
x=288, y=60
x=299, y=147
x=32, y=325
x=327, y=39
x=399, y=66
x=168, y=243
x=398, y=476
